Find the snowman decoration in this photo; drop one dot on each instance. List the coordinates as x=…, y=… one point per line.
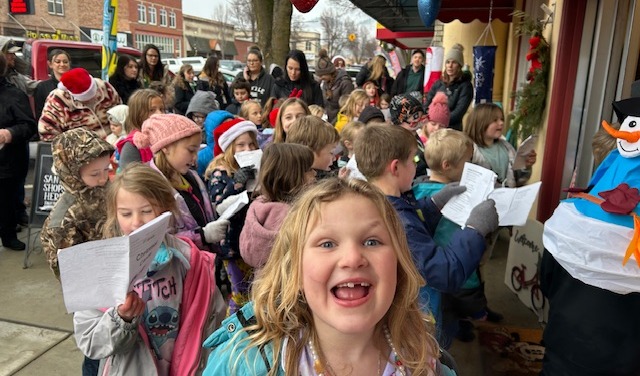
x=595, y=234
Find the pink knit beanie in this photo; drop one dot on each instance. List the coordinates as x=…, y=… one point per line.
x=161, y=130
x=439, y=109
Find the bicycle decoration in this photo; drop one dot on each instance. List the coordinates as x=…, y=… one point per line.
x=531, y=99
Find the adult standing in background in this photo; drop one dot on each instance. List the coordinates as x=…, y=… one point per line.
x=456, y=84
x=151, y=67
x=411, y=78
x=125, y=79
x=298, y=77
x=17, y=69
x=59, y=63
x=335, y=83
x=210, y=79
x=79, y=101
x=260, y=80
x=376, y=72
x=17, y=125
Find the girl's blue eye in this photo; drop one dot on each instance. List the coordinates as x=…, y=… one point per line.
x=372, y=242
x=326, y=244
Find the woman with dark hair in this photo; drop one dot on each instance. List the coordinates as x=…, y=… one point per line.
x=260, y=80
x=17, y=125
x=184, y=87
x=125, y=78
x=298, y=77
x=210, y=79
x=59, y=63
x=151, y=66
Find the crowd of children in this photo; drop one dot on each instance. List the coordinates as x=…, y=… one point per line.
x=322, y=273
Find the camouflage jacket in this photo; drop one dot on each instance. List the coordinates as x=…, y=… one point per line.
x=80, y=213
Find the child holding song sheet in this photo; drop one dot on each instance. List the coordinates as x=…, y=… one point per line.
x=163, y=321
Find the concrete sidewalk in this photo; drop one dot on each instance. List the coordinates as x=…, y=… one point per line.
x=35, y=330
x=36, y=333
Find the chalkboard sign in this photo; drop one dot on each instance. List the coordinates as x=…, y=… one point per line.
x=46, y=186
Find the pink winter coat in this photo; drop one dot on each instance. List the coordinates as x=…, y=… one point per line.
x=263, y=222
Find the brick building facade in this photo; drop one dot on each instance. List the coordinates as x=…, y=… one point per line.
x=139, y=22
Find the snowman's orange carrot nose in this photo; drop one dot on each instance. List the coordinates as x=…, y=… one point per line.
x=627, y=136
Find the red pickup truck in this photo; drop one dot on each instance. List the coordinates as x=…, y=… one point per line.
x=83, y=54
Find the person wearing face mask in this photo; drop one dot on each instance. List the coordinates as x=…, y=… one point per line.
x=297, y=77
x=126, y=79
x=59, y=63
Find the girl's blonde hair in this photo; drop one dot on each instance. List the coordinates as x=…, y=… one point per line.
x=244, y=108
x=282, y=184
x=356, y=96
x=316, y=110
x=180, y=80
x=279, y=135
x=139, y=103
x=281, y=310
x=139, y=179
x=313, y=132
x=479, y=120
x=377, y=68
x=227, y=160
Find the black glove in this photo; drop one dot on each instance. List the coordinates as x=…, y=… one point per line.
x=484, y=217
x=245, y=174
x=447, y=193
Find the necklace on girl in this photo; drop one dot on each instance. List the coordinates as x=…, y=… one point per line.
x=321, y=371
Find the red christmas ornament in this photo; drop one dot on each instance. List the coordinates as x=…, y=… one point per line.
x=304, y=6
x=534, y=42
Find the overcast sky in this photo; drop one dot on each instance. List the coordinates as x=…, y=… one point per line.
x=205, y=9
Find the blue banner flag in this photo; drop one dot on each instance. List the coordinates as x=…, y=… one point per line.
x=483, y=65
x=110, y=41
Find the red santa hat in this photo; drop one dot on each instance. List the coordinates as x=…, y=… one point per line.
x=227, y=132
x=79, y=83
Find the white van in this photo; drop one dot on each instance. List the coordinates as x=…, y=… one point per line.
x=174, y=64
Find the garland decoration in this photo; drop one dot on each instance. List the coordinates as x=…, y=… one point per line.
x=527, y=117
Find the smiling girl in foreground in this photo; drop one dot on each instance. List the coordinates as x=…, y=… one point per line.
x=159, y=328
x=338, y=295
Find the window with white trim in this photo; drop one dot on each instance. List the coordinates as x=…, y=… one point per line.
x=172, y=19
x=153, y=15
x=142, y=13
x=55, y=7
x=163, y=17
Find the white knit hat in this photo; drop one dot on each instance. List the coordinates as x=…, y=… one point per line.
x=455, y=54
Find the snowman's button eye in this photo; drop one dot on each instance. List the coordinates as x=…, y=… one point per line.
x=632, y=124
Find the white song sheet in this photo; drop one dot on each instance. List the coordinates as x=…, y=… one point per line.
x=98, y=274
x=250, y=158
x=512, y=204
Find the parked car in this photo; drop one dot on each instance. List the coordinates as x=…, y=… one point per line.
x=229, y=75
x=353, y=72
x=197, y=62
x=173, y=64
x=83, y=54
x=232, y=65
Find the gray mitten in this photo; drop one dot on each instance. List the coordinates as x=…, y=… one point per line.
x=447, y=193
x=216, y=230
x=245, y=174
x=484, y=217
x=224, y=205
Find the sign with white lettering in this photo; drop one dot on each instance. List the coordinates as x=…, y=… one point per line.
x=98, y=35
x=46, y=186
x=523, y=263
